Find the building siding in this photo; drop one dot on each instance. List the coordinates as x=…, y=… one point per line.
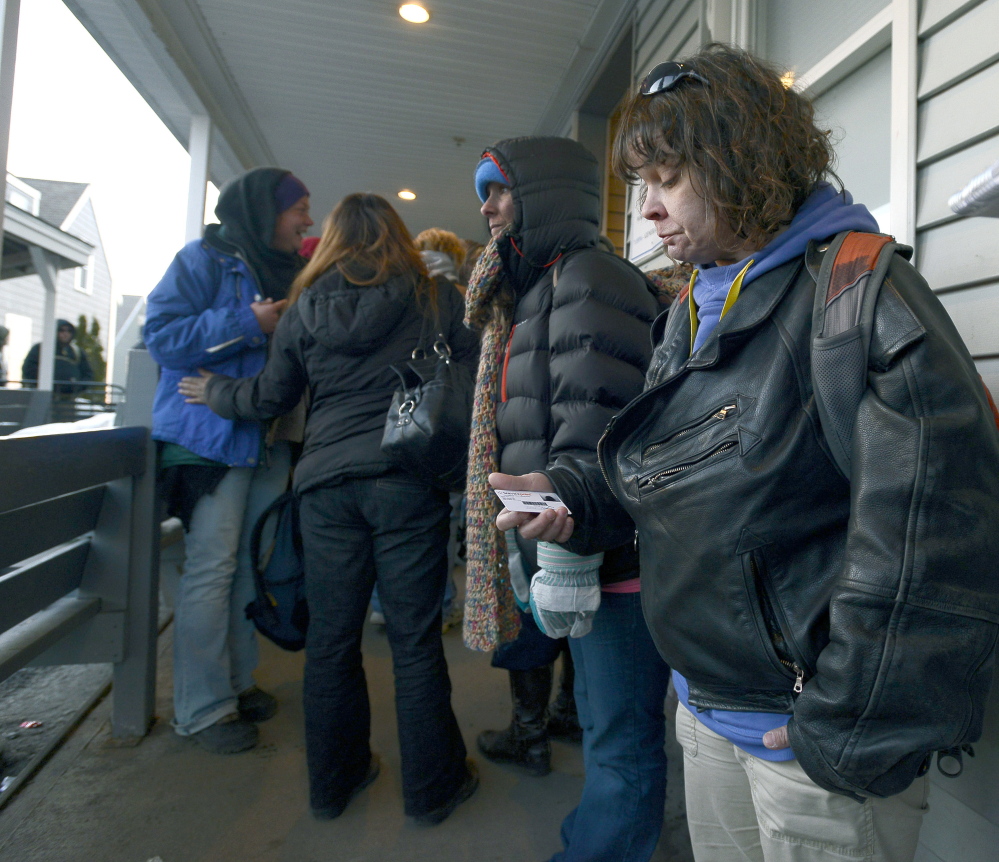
x=26, y=295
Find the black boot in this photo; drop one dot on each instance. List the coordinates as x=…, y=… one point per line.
x=563, y=721
x=525, y=741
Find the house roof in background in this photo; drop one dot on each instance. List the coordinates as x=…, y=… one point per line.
x=58, y=198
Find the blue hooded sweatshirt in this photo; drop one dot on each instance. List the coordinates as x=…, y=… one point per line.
x=824, y=214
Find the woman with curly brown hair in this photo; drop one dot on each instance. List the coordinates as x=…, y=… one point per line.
x=801, y=607
x=361, y=305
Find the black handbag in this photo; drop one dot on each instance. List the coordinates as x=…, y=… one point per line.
x=429, y=421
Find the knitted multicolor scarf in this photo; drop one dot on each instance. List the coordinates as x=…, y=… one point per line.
x=669, y=281
x=491, y=615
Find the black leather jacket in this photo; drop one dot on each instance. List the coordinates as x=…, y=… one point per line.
x=764, y=570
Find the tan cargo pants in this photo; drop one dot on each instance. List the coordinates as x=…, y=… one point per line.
x=744, y=809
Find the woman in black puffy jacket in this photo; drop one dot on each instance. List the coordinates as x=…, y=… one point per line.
x=565, y=347
x=362, y=303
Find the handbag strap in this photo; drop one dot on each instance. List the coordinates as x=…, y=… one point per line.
x=425, y=346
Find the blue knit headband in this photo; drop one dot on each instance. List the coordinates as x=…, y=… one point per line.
x=486, y=172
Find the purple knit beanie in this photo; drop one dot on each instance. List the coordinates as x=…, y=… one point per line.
x=289, y=192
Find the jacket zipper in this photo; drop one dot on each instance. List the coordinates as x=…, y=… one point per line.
x=769, y=619
x=600, y=458
x=686, y=465
x=718, y=416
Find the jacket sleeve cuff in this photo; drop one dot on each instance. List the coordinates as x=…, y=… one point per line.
x=249, y=328
x=218, y=395
x=601, y=523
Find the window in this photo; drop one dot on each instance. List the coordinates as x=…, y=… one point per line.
x=83, y=277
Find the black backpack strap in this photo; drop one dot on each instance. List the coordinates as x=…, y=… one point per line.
x=286, y=499
x=846, y=294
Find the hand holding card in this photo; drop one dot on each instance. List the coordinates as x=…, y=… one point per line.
x=550, y=522
x=531, y=501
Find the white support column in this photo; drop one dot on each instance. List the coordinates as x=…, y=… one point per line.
x=46, y=359
x=9, y=15
x=732, y=21
x=199, y=146
x=904, y=67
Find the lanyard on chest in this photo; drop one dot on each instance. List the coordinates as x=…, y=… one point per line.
x=730, y=300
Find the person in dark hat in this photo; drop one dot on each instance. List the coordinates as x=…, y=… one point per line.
x=215, y=308
x=71, y=364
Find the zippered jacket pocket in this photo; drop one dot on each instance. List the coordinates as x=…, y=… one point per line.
x=725, y=412
x=780, y=646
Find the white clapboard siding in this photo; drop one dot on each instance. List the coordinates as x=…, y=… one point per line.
x=960, y=115
x=934, y=14
x=973, y=312
x=989, y=369
x=973, y=38
x=960, y=253
x=662, y=30
x=939, y=180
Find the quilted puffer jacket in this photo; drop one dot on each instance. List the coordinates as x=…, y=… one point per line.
x=866, y=607
x=580, y=342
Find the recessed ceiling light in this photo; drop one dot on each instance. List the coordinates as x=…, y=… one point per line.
x=787, y=79
x=414, y=13
x=407, y=195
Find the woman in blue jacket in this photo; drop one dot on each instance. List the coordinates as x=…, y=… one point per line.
x=214, y=308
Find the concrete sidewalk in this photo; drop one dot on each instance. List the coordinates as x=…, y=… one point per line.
x=166, y=800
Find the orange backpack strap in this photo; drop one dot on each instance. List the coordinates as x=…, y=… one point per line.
x=857, y=256
x=846, y=293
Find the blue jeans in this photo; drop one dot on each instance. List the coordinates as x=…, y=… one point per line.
x=214, y=644
x=393, y=530
x=620, y=692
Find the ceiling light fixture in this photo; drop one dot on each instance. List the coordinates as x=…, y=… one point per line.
x=787, y=79
x=414, y=13
x=407, y=195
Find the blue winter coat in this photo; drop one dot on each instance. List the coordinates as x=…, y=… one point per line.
x=203, y=301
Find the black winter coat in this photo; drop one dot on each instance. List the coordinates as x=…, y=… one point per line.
x=762, y=563
x=339, y=339
x=580, y=342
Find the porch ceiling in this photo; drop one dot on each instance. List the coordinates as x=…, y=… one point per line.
x=353, y=98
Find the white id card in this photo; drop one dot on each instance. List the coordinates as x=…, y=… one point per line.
x=531, y=501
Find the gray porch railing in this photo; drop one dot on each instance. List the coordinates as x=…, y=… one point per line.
x=79, y=556
x=27, y=407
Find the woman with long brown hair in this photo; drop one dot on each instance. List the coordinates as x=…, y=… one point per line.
x=362, y=304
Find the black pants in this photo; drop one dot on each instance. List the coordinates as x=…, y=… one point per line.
x=392, y=529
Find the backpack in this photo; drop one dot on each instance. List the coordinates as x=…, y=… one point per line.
x=846, y=295
x=279, y=610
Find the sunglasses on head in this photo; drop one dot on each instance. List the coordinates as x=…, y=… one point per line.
x=666, y=76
